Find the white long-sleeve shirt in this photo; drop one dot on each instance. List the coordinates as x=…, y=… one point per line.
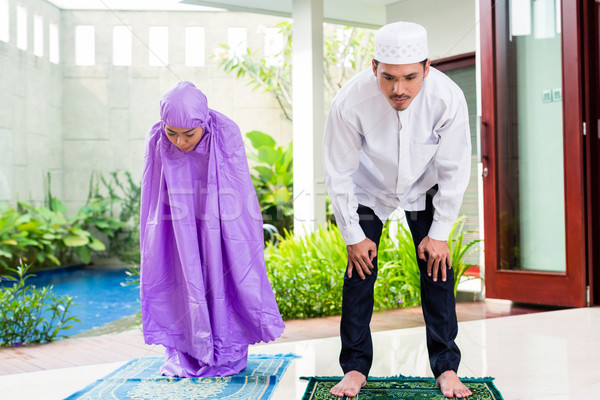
x=385, y=159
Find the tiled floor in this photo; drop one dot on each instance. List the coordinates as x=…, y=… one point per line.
x=545, y=355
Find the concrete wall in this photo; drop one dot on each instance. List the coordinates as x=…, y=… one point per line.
x=108, y=110
x=450, y=24
x=30, y=111
x=71, y=120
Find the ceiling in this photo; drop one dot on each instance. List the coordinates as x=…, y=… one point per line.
x=367, y=13
x=139, y=5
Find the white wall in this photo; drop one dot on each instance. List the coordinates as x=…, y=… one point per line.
x=108, y=110
x=30, y=111
x=71, y=120
x=450, y=24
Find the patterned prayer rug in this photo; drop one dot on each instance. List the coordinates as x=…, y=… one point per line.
x=400, y=388
x=139, y=379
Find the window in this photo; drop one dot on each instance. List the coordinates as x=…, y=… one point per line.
x=4, y=21
x=236, y=40
x=121, y=45
x=53, y=43
x=85, y=45
x=194, y=46
x=158, y=46
x=22, y=27
x=273, y=47
x=38, y=35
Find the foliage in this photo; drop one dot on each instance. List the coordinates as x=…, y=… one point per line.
x=42, y=235
x=459, y=250
x=345, y=53
x=273, y=179
x=125, y=194
x=45, y=235
x=306, y=273
x=29, y=314
x=398, y=264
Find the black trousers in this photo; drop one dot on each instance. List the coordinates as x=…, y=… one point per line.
x=437, y=301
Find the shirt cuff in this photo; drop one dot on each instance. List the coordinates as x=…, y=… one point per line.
x=439, y=231
x=352, y=234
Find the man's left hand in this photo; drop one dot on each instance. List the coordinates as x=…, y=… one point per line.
x=437, y=255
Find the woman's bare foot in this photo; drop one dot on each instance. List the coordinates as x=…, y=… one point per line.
x=349, y=385
x=451, y=386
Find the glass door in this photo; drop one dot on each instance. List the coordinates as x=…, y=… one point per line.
x=532, y=152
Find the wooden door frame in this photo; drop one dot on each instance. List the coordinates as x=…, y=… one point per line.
x=568, y=288
x=591, y=66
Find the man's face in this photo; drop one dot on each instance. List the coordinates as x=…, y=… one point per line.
x=400, y=83
x=185, y=139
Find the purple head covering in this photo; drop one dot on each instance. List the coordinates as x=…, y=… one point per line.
x=204, y=291
x=184, y=106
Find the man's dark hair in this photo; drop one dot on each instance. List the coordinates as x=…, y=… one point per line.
x=424, y=63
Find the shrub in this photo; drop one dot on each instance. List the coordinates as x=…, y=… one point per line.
x=43, y=236
x=460, y=250
x=307, y=273
x=125, y=194
x=29, y=314
x=272, y=177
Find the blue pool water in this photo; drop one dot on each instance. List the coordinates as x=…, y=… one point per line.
x=97, y=293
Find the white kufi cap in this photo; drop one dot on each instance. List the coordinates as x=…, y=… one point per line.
x=401, y=43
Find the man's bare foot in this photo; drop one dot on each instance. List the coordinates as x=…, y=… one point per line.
x=349, y=385
x=451, y=386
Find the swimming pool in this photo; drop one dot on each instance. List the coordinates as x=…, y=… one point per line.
x=98, y=295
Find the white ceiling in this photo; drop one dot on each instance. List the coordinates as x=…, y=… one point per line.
x=368, y=13
x=162, y=5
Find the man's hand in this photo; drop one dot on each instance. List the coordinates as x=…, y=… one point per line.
x=360, y=256
x=437, y=255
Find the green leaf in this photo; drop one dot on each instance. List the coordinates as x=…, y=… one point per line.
x=58, y=206
x=96, y=245
x=267, y=155
x=260, y=139
x=265, y=173
x=84, y=253
x=73, y=240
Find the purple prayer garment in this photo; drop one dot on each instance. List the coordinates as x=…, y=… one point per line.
x=205, y=294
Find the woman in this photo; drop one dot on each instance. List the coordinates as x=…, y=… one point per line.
x=205, y=294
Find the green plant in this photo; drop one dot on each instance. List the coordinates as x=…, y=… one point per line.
x=346, y=51
x=273, y=179
x=398, y=269
x=22, y=236
x=124, y=194
x=29, y=314
x=459, y=250
x=306, y=273
x=67, y=236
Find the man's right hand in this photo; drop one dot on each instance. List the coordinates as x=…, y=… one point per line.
x=360, y=256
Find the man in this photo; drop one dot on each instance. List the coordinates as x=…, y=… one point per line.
x=397, y=135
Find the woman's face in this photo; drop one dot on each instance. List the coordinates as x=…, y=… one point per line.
x=185, y=139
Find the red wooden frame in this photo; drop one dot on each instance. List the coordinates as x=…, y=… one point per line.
x=591, y=66
x=454, y=62
x=565, y=289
